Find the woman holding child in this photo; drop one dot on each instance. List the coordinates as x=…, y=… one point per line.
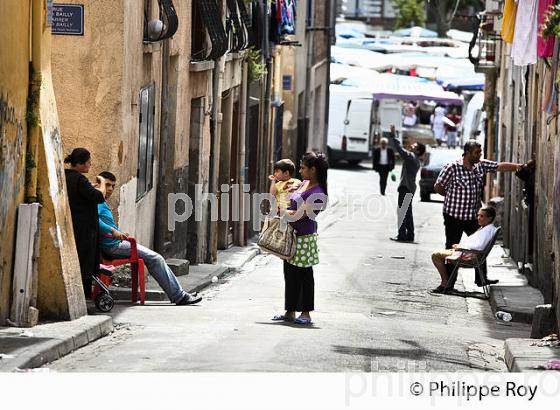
x=305, y=203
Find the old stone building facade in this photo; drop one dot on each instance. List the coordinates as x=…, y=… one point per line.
x=175, y=97
x=522, y=124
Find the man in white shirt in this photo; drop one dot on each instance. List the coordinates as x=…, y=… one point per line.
x=409, y=117
x=383, y=163
x=475, y=242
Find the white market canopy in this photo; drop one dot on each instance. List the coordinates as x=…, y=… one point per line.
x=360, y=57
x=398, y=87
x=351, y=75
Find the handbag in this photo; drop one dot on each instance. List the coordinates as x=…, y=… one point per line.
x=278, y=238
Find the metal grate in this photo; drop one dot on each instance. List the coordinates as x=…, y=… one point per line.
x=237, y=30
x=212, y=18
x=168, y=17
x=247, y=22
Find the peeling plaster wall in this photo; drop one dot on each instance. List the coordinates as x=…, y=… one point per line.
x=525, y=128
x=88, y=77
x=14, y=85
x=60, y=294
x=136, y=218
x=98, y=78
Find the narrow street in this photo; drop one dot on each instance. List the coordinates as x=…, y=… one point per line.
x=373, y=309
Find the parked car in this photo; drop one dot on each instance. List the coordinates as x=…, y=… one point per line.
x=436, y=160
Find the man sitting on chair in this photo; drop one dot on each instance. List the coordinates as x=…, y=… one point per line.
x=114, y=246
x=478, y=241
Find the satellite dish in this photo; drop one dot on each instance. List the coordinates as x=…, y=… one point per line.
x=155, y=29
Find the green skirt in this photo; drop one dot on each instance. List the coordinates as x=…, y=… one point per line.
x=307, y=251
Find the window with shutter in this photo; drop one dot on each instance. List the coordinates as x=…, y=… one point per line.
x=146, y=141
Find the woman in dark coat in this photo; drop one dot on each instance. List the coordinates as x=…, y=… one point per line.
x=83, y=198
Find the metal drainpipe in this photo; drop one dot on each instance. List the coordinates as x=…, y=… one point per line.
x=308, y=85
x=36, y=80
x=166, y=160
x=266, y=121
x=214, y=159
x=262, y=159
x=32, y=154
x=330, y=37
x=240, y=231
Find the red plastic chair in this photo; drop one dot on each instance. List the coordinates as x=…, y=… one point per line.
x=136, y=269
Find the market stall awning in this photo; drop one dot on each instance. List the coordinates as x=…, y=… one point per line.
x=391, y=86
x=350, y=75
x=361, y=58
x=464, y=83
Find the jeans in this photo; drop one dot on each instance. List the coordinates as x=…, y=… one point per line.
x=156, y=265
x=451, y=139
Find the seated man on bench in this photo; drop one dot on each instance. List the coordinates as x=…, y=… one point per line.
x=478, y=241
x=114, y=246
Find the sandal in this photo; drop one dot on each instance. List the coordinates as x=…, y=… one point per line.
x=440, y=289
x=278, y=318
x=303, y=321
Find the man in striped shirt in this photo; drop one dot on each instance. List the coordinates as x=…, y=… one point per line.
x=461, y=183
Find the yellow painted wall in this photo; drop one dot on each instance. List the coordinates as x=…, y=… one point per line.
x=14, y=85
x=26, y=38
x=88, y=83
x=60, y=294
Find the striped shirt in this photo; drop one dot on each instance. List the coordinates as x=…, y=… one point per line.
x=463, y=187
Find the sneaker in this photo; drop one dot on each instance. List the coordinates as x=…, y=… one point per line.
x=188, y=299
x=404, y=240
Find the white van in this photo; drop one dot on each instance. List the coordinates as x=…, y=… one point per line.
x=387, y=113
x=472, y=124
x=350, y=126
x=354, y=118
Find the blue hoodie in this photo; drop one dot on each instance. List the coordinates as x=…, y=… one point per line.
x=106, y=222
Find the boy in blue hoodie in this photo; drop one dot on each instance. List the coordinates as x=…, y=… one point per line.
x=114, y=246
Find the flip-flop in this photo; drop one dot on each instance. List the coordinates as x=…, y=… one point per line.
x=284, y=318
x=303, y=321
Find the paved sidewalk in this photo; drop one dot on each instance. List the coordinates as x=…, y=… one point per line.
x=200, y=276
x=515, y=296
x=512, y=294
x=28, y=348
x=523, y=355
x=22, y=348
